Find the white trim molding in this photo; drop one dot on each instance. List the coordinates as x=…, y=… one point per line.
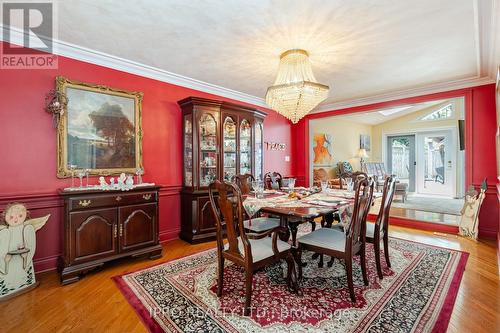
x=76, y=52
x=413, y=92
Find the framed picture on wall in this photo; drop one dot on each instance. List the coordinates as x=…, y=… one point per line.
x=100, y=129
x=364, y=142
x=322, y=149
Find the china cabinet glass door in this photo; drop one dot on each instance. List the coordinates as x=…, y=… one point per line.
x=208, y=149
x=245, y=147
x=259, y=156
x=229, y=148
x=188, y=151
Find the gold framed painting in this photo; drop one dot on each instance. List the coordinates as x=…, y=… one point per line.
x=100, y=129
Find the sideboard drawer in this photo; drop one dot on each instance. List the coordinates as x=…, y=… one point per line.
x=121, y=198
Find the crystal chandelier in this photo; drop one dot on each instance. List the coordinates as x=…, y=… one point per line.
x=295, y=91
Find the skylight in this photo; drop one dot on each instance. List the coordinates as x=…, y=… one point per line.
x=388, y=112
x=441, y=113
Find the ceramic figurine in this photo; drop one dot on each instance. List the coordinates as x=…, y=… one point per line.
x=130, y=181
x=17, y=248
x=102, y=183
x=121, y=179
x=469, y=221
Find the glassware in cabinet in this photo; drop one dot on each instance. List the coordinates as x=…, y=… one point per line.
x=229, y=147
x=208, y=149
x=245, y=147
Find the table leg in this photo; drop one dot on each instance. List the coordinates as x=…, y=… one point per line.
x=329, y=220
x=293, y=228
x=284, y=223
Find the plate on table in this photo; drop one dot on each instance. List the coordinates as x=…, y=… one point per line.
x=331, y=200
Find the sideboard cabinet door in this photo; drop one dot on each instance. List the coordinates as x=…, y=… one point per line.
x=137, y=226
x=94, y=234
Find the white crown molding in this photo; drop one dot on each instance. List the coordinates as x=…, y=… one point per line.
x=412, y=92
x=76, y=52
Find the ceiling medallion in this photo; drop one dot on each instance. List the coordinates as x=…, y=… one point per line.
x=295, y=91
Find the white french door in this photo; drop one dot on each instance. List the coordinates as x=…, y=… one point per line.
x=436, y=163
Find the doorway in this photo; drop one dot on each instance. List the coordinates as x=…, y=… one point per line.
x=436, y=167
x=401, y=159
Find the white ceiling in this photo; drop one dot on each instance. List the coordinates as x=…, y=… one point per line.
x=374, y=117
x=361, y=49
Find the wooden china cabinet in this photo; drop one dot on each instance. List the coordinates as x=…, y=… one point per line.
x=220, y=140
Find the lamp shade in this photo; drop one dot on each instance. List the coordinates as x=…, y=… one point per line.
x=362, y=153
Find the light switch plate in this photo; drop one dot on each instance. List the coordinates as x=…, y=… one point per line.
x=287, y=158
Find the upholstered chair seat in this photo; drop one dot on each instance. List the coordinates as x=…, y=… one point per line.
x=331, y=239
x=261, y=224
x=262, y=248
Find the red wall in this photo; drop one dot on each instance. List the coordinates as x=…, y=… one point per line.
x=480, y=151
x=28, y=144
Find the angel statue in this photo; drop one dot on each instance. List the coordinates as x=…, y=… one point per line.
x=469, y=221
x=17, y=248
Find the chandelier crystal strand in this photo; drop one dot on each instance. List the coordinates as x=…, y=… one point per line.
x=295, y=92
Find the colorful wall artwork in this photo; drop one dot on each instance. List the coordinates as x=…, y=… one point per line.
x=322, y=149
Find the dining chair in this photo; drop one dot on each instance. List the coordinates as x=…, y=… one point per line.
x=257, y=224
x=243, y=182
x=344, y=245
x=249, y=251
x=273, y=181
x=375, y=232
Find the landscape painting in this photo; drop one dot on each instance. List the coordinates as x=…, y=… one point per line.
x=100, y=130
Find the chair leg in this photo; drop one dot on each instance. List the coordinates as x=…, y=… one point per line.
x=386, y=250
x=313, y=225
x=298, y=257
x=376, y=247
x=220, y=281
x=363, y=265
x=331, y=262
x=320, y=263
x=248, y=291
x=350, y=283
x=291, y=277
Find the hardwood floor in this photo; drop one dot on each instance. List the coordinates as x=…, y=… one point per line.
x=95, y=304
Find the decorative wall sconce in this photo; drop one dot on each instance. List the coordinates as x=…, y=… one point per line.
x=55, y=104
x=275, y=146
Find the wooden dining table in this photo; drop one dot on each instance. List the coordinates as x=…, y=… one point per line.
x=293, y=212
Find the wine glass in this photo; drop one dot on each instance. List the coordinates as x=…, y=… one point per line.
x=350, y=184
x=324, y=185
x=87, y=172
x=291, y=183
x=139, y=172
x=80, y=173
x=72, y=168
x=255, y=184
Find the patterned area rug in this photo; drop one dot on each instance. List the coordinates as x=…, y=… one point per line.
x=416, y=295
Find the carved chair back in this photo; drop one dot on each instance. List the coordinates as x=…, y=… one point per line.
x=383, y=216
x=243, y=182
x=356, y=230
x=225, y=199
x=273, y=181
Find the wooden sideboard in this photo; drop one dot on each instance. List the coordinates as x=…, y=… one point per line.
x=100, y=226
